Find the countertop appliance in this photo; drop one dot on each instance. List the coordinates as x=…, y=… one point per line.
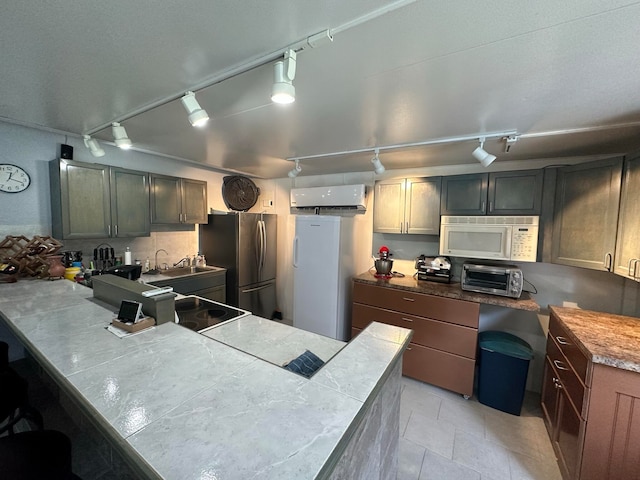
x=434, y=269
x=512, y=238
x=323, y=265
x=244, y=244
x=199, y=314
x=503, y=280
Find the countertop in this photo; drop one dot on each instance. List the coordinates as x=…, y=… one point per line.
x=181, y=405
x=450, y=290
x=604, y=338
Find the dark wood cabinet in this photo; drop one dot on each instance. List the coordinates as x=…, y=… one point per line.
x=178, y=200
x=586, y=214
x=445, y=332
x=588, y=409
x=409, y=205
x=499, y=193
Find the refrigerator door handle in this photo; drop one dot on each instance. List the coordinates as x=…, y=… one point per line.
x=295, y=252
x=263, y=252
x=255, y=289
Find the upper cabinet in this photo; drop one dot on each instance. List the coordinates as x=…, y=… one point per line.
x=410, y=206
x=499, y=193
x=96, y=201
x=627, y=257
x=178, y=200
x=586, y=214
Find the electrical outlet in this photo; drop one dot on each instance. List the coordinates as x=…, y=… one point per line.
x=569, y=304
x=267, y=203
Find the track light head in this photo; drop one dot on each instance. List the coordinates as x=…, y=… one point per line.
x=377, y=164
x=120, y=136
x=295, y=171
x=283, y=74
x=198, y=117
x=93, y=146
x=480, y=154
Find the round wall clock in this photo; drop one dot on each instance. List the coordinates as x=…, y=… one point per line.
x=13, y=179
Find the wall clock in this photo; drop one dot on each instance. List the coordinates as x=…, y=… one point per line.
x=13, y=179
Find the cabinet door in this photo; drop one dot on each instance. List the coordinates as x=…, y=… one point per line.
x=568, y=438
x=388, y=212
x=515, y=193
x=194, y=201
x=586, y=213
x=628, y=243
x=422, y=209
x=549, y=398
x=129, y=203
x=80, y=200
x=464, y=194
x=166, y=199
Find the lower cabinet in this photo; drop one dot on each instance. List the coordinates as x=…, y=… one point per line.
x=445, y=332
x=589, y=412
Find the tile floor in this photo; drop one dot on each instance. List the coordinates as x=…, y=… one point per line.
x=442, y=436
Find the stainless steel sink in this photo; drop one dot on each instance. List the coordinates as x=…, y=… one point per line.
x=183, y=271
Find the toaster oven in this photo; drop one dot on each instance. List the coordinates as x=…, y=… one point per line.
x=503, y=280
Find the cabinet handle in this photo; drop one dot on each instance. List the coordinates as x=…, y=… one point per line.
x=408, y=348
x=406, y=229
x=632, y=273
x=109, y=230
x=562, y=340
x=407, y=319
x=409, y=299
x=483, y=205
x=490, y=206
x=115, y=227
x=559, y=365
x=401, y=225
x=608, y=260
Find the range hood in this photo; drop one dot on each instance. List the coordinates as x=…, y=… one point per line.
x=340, y=196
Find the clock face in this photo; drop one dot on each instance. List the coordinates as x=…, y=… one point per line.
x=13, y=179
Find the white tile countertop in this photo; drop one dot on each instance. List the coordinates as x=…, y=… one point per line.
x=178, y=404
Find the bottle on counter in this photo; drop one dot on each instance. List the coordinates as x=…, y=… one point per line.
x=147, y=265
x=127, y=256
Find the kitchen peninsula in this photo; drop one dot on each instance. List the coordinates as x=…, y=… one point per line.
x=176, y=404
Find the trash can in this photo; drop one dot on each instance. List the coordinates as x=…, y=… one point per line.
x=503, y=367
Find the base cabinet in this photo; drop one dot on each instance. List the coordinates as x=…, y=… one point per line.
x=445, y=332
x=591, y=413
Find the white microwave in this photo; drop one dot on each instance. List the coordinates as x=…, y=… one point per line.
x=495, y=238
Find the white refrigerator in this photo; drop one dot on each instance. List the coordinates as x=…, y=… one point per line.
x=323, y=266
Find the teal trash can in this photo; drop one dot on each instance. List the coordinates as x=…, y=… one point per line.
x=503, y=367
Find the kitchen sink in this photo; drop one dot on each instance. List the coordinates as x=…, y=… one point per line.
x=182, y=271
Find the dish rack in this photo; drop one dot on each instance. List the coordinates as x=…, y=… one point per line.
x=29, y=255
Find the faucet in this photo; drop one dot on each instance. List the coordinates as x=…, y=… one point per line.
x=156, y=256
x=181, y=262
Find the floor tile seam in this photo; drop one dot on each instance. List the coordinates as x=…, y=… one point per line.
x=451, y=460
x=546, y=462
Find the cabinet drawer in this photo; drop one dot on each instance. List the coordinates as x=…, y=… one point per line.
x=572, y=384
x=445, y=370
x=448, y=310
x=428, y=332
x=569, y=349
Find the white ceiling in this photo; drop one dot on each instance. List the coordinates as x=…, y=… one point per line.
x=397, y=72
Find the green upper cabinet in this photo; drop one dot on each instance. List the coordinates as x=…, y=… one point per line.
x=499, y=193
x=627, y=257
x=178, y=200
x=96, y=201
x=410, y=206
x=586, y=214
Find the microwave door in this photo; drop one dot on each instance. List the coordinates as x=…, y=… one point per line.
x=484, y=242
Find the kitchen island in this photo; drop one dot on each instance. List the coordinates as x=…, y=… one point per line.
x=176, y=404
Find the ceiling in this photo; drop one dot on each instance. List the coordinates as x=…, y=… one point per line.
x=565, y=76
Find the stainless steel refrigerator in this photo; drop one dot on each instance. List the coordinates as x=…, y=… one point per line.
x=244, y=244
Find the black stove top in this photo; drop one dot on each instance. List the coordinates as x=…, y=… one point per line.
x=197, y=313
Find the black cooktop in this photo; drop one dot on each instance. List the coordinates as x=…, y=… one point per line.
x=197, y=313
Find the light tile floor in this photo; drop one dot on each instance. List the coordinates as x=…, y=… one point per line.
x=443, y=437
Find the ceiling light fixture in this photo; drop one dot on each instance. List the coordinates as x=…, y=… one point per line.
x=120, y=136
x=295, y=171
x=93, y=146
x=284, y=72
x=480, y=154
x=377, y=164
x=198, y=117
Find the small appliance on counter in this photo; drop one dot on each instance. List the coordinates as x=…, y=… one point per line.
x=383, y=264
x=434, y=269
x=503, y=280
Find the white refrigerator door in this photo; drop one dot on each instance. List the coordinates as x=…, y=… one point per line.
x=316, y=252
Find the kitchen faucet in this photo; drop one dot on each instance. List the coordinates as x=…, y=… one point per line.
x=181, y=262
x=156, y=256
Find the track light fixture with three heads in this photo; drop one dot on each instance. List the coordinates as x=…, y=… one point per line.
x=93, y=146
x=120, y=136
x=480, y=154
x=198, y=117
x=378, y=167
x=284, y=72
x=293, y=173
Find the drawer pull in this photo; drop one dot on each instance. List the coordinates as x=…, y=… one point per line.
x=562, y=340
x=408, y=348
x=407, y=319
x=559, y=365
x=409, y=299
